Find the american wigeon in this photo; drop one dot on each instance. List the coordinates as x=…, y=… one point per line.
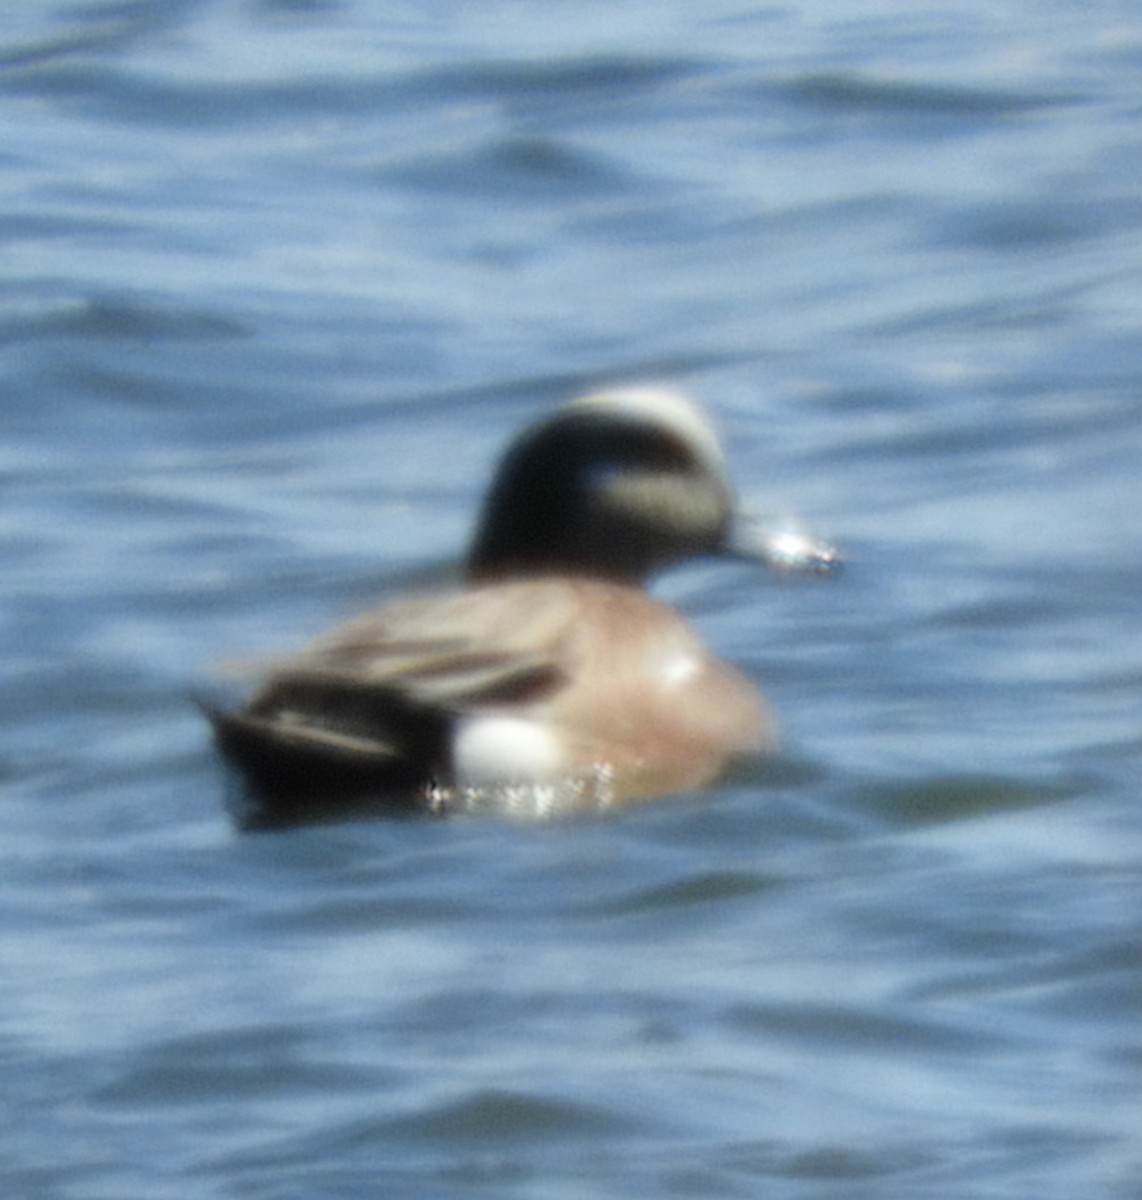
x=551, y=679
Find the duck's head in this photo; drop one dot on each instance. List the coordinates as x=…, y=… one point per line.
x=615, y=486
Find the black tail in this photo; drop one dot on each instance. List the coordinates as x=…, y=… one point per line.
x=315, y=753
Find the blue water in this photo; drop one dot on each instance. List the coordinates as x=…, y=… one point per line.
x=278, y=278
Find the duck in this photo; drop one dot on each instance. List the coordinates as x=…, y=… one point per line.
x=549, y=679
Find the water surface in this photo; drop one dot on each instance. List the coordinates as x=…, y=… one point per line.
x=278, y=280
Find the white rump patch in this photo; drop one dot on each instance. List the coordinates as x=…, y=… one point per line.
x=492, y=749
x=516, y=768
